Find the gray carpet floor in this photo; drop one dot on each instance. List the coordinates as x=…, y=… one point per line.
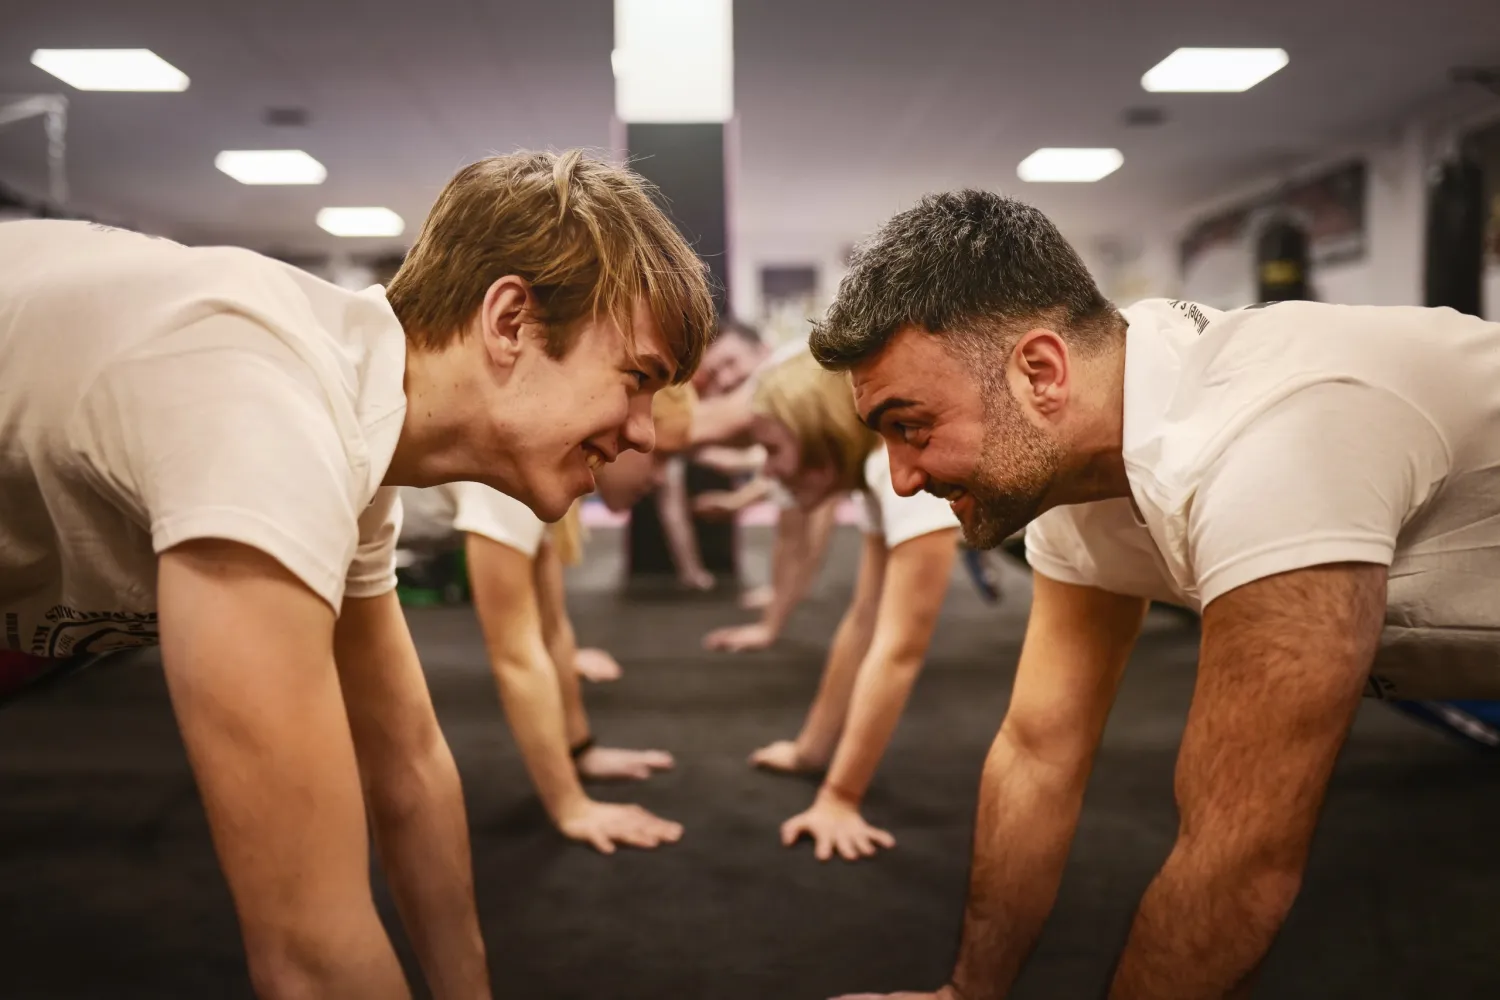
x=108, y=886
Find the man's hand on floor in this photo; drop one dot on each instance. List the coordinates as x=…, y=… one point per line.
x=612, y=764
x=603, y=825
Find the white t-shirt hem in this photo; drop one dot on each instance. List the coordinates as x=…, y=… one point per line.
x=250, y=528
x=1293, y=554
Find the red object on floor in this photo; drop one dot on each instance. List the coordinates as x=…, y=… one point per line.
x=19, y=669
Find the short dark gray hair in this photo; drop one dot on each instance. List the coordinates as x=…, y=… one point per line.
x=968, y=263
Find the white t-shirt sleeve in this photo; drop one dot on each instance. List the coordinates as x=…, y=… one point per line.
x=1329, y=474
x=1100, y=544
x=480, y=510
x=1055, y=548
x=226, y=436
x=897, y=518
x=373, y=570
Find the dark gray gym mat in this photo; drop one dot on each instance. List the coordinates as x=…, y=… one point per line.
x=108, y=885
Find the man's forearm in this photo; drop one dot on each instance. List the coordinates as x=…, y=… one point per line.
x=422, y=835
x=881, y=689
x=1203, y=928
x=562, y=644
x=1028, y=812
x=825, y=719
x=801, y=542
x=533, y=706
x=674, y=509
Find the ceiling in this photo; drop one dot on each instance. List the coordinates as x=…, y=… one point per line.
x=848, y=109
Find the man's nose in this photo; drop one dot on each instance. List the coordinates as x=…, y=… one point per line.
x=906, y=478
x=640, y=429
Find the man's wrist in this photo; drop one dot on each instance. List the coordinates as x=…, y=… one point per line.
x=583, y=746
x=832, y=793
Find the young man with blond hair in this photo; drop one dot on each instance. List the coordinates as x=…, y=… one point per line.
x=202, y=445
x=1322, y=482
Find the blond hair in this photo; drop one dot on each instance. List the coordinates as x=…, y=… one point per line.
x=817, y=406
x=585, y=234
x=672, y=411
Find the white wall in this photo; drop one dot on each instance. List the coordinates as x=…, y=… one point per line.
x=1391, y=270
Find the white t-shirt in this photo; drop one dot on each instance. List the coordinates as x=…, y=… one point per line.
x=434, y=516
x=152, y=393
x=896, y=518
x=1275, y=438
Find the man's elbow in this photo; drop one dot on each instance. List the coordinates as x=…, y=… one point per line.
x=423, y=779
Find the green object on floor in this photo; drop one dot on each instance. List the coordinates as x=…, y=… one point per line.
x=438, y=581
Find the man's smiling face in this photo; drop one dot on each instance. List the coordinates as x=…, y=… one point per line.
x=953, y=427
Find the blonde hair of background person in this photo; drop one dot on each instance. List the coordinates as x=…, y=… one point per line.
x=818, y=448
x=544, y=302
x=812, y=407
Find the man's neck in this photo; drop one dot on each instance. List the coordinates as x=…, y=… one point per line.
x=443, y=412
x=1096, y=466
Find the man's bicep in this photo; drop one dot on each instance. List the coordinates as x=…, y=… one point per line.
x=248, y=654
x=1282, y=669
x=1077, y=642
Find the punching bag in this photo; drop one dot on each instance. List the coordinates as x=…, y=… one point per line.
x=1281, y=262
x=1455, y=236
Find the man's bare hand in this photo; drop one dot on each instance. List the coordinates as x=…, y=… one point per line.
x=739, y=638
x=834, y=825
x=786, y=757
x=717, y=505
x=597, y=666
x=603, y=825
x=612, y=764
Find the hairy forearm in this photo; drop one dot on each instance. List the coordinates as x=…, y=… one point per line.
x=880, y=693
x=422, y=835
x=532, y=700
x=825, y=719
x=1203, y=927
x=1028, y=812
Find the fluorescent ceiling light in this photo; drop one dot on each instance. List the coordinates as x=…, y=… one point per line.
x=271, y=166
x=361, y=222
x=1221, y=71
x=1065, y=165
x=674, y=60
x=111, y=69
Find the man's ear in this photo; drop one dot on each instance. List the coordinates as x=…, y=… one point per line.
x=1041, y=372
x=503, y=317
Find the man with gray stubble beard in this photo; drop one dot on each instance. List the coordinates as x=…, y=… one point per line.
x=1321, y=482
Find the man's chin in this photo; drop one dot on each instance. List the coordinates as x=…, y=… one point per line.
x=981, y=532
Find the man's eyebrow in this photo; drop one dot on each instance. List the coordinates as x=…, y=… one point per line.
x=894, y=403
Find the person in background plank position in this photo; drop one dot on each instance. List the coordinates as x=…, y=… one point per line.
x=817, y=449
